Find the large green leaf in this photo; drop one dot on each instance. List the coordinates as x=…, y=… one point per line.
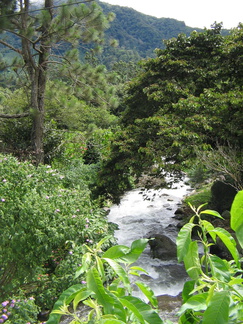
x=220, y=268
x=86, y=261
x=209, y=228
x=148, y=292
x=236, y=213
x=212, y=213
x=195, y=303
x=239, y=235
x=124, y=254
x=105, y=298
x=183, y=240
x=100, y=267
x=119, y=270
x=111, y=321
x=192, y=262
x=116, y=252
x=95, y=284
x=187, y=289
x=229, y=242
x=129, y=305
x=66, y=297
x=217, y=311
x=81, y=295
x=137, y=248
x=146, y=312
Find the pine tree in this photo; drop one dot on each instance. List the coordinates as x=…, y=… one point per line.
x=35, y=36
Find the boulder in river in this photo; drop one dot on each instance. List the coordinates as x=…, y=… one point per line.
x=162, y=247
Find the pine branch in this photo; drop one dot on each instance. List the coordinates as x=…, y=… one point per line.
x=11, y=47
x=19, y=35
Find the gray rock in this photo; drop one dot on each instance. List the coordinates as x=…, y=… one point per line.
x=166, y=205
x=162, y=247
x=179, y=211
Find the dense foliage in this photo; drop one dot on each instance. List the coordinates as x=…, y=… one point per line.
x=107, y=290
x=187, y=99
x=214, y=293
x=45, y=219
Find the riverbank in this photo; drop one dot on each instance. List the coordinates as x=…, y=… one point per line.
x=169, y=306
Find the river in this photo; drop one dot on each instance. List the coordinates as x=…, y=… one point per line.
x=143, y=213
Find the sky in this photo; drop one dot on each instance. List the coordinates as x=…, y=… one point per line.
x=194, y=13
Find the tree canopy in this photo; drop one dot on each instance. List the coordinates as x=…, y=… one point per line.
x=187, y=99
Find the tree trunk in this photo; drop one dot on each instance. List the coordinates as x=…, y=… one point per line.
x=38, y=118
x=38, y=76
x=35, y=56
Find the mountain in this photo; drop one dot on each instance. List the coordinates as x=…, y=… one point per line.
x=139, y=34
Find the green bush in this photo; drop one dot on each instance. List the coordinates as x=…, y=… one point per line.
x=18, y=309
x=199, y=197
x=43, y=225
x=198, y=173
x=107, y=289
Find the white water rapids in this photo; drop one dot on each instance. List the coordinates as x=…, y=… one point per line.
x=140, y=214
x=143, y=213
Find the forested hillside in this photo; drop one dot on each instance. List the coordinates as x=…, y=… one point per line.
x=139, y=34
